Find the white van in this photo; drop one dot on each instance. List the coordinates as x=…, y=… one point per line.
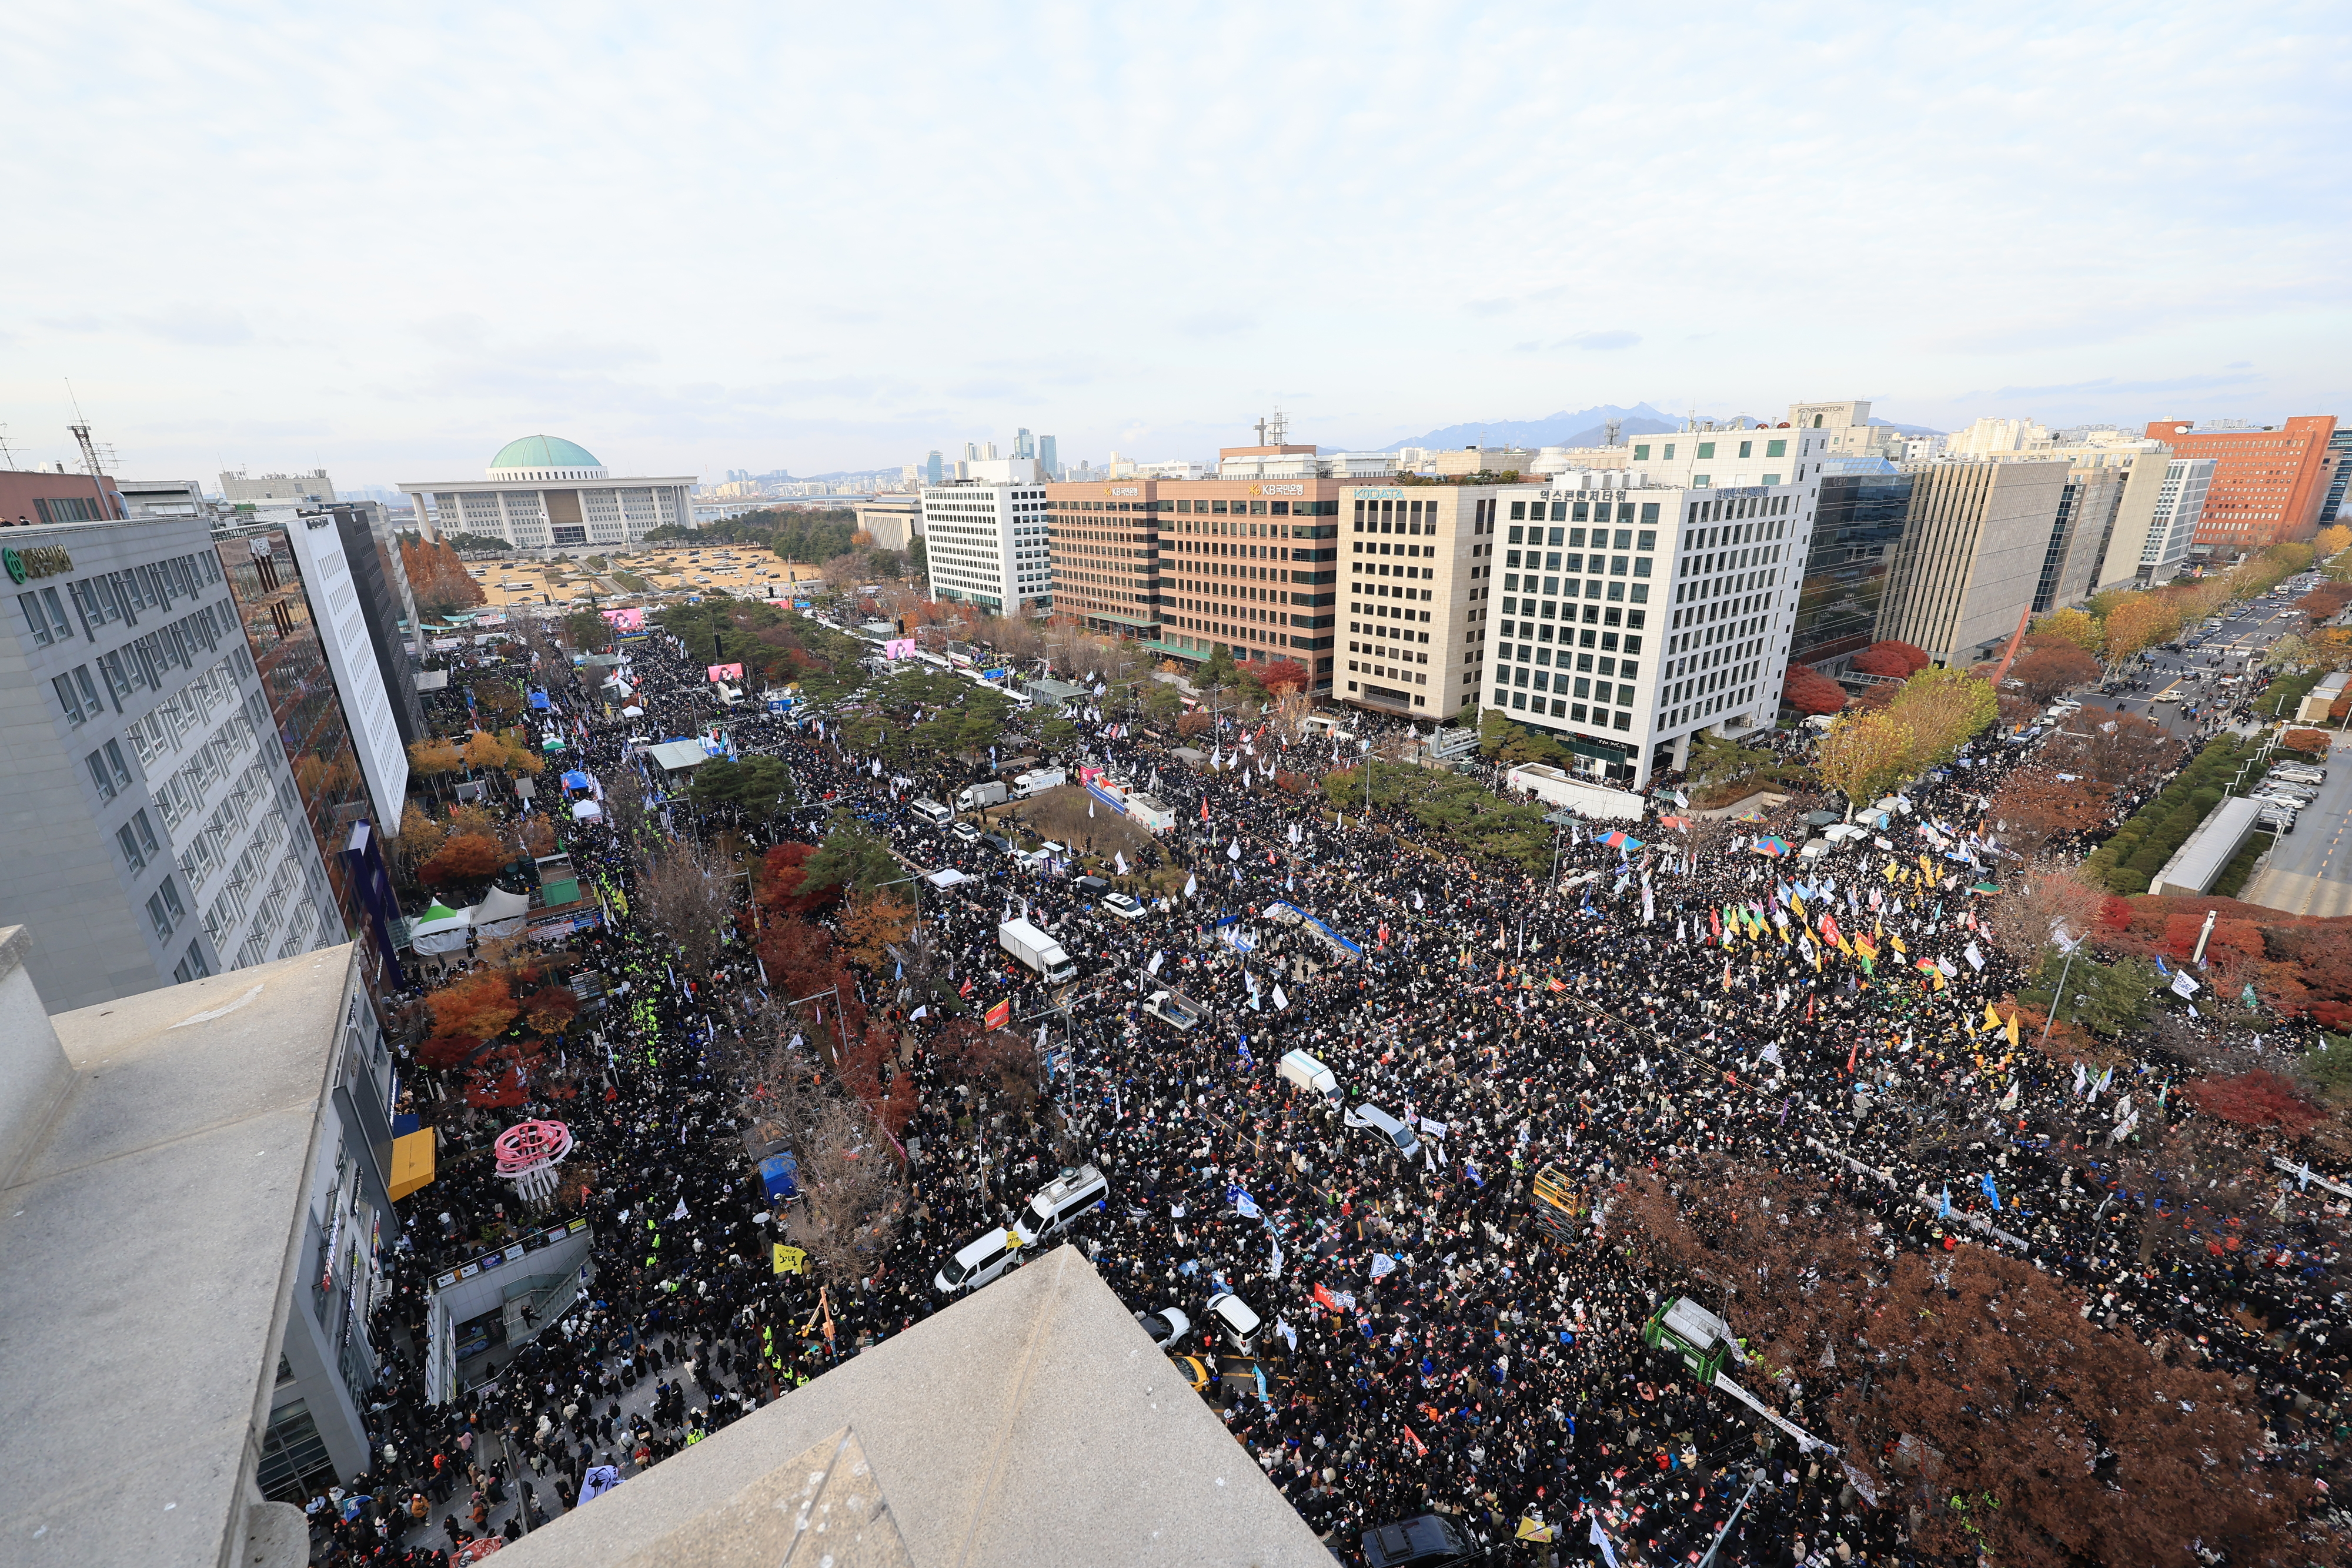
x=1064, y=1201
x=1298, y=1067
x=1234, y=1315
x=982, y=1259
x=932, y=812
x=1386, y=1128
x=1036, y=781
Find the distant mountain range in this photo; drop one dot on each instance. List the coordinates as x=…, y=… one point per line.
x=1584, y=427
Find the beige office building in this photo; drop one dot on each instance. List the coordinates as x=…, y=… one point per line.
x=1415, y=574
x=1974, y=544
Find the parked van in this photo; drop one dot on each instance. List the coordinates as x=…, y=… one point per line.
x=976, y=795
x=983, y=1258
x=1064, y=1201
x=932, y=812
x=1383, y=1125
x=1298, y=1067
x=1038, y=780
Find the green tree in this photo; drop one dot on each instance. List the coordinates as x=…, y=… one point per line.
x=757, y=788
x=2112, y=998
x=1861, y=757
x=852, y=855
x=1943, y=709
x=1219, y=672
x=587, y=632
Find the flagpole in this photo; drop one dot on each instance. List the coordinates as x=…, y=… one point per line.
x=1727, y=1523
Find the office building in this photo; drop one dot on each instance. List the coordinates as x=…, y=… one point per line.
x=894, y=524
x=1845, y=426
x=1049, y=457
x=313, y=487
x=31, y=496
x=2268, y=484
x=2339, y=456
x=167, y=498
x=2088, y=507
x=1623, y=640
x=985, y=538
x=1414, y=602
x=1975, y=538
x=1857, y=530
x=544, y=493
x=156, y=833
x=1249, y=566
x=1107, y=543
x=228, y=1380
x=2161, y=546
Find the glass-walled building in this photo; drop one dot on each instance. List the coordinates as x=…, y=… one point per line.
x=1856, y=531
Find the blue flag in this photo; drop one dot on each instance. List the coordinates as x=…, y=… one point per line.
x=1990, y=1190
x=1946, y=1212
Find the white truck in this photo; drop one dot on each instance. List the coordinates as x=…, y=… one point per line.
x=976, y=795
x=1036, y=949
x=1037, y=780
x=1304, y=1071
x=1585, y=800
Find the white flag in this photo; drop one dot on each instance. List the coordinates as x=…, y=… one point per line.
x=1118, y=859
x=1280, y=1001
x=920, y=1014
x=1975, y=957
x=1383, y=1265
x=2182, y=985
x=679, y=1212
x=1601, y=1539
x=1233, y=850
x=1153, y=967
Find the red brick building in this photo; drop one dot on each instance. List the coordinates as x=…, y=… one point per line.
x=2268, y=481
x=31, y=497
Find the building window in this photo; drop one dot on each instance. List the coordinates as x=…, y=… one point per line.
x=1641, y=454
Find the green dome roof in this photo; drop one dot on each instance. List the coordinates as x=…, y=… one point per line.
x=543, y=452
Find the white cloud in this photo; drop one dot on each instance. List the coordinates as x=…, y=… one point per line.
x=731, y=235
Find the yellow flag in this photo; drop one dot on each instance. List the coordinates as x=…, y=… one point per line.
x=1992, y=1018
x=1892, y=871
x=2012, y=1026
x=1926, y=869
x=1896, y=938
x=1797, y=902
x=790, y=1260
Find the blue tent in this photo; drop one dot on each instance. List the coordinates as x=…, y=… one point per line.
x=576, y=779
x=780, y=1175
x=538, y=700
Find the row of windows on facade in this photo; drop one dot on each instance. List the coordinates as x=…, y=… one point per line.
x=144, y=661
x=109, y=597
x=1703, y=450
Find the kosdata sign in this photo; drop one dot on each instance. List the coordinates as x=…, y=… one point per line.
x=41, y=561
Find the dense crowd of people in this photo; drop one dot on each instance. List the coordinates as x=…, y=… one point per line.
x=1426, y=1344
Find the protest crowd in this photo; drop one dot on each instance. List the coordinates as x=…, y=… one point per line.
x=1706, y=1043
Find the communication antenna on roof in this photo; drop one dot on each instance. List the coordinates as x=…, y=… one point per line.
x=1611, y=432
x=7, y=459
x=1278, y=427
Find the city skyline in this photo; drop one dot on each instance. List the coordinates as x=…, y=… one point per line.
x=2100, y=218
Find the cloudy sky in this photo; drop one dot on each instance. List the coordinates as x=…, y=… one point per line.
x=823, y=237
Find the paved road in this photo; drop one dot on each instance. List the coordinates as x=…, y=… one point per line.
x=2309, y=870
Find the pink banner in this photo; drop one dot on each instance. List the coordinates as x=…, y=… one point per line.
x=631, y=620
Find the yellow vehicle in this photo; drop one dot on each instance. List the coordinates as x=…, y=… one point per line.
x=1195, y=1370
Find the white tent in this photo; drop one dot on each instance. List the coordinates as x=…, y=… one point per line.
x=633, y=712
x=586, y=811
x=440, y=930
x=946, y=877
x=500, y=913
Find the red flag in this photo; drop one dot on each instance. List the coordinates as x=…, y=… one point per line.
x=1205, y=799
x=1001, y=1014
x=1850, y=1056
x=1419, y=1446
x=964, y=989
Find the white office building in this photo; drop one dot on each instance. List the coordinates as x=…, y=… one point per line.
x=544, y=493
x=985, y=540
x=1638, y=607
x=157, y=834
x=2179, y=503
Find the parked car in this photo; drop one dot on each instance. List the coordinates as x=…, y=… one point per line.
x=1121, y=904
x=965, y=834
x=1167, y=1327
x=933, y=812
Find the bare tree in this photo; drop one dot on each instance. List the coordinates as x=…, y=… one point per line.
x=2020, y=923
x=852, y=1201
x=687, y=895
